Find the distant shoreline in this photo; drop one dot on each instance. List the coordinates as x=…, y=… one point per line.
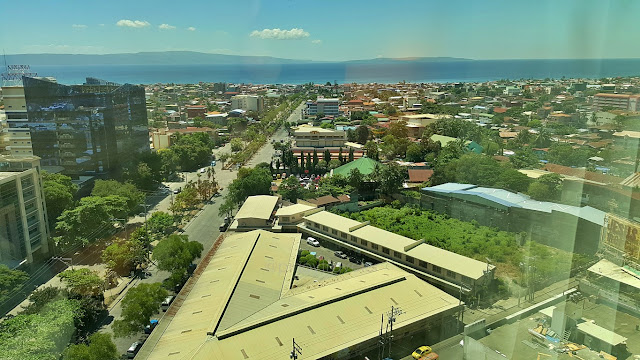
x=346, y=72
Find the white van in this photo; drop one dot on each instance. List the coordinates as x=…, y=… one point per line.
x=167, y=302
x=133, y=350
x=313, y=242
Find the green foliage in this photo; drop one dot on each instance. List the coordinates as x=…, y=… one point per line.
x=524, y=158
x=304, y=253
x=138, y=305
x=59, y=192
x=160, y=223
x=83, y=281
x=145, y=170
x=10, y=281
x=249, y=182
x=133, y=196
x=176, y=252
x=39, y=336
x=41, y=297
x=87, y=221
x=100, y=347
x=389, y=177
x=547, y=187
x=362, y=134
x=188, y=152
x=123, y=255
x=414, y=153
x=565, y=154
x=236, y=145
x=291, y=190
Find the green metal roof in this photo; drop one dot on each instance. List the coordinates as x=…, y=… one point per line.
x=364, y=164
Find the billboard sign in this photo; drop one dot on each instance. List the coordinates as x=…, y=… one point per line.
x=623, y=235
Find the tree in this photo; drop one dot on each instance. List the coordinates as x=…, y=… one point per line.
x=124, y=255
x=236, y=144
x=138, y=305
x=315, y=158
x=308, y=163
x=248, y=183
x=524, y=158
x=40, y=336
x=83, y=281
x=399, y=129
x=89, y=220
x=351, y=135
x=133, y=196
x=414, y=153
x=351, y=154
x=10, y=281
x=302, y=160
x=362, y=134
x=356, y=179
x=372, y=150
x=160, y=223
x=176, y=253
x=334, y=163
x=340, y=157
x=59, y=192
x=290, y=189
x=390, y=177
x=547, y=187
x=100, y=347
x=327, y=156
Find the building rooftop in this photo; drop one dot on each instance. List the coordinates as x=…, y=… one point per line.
x=257, y=207
x=312, y=129
x=293, y=209
x=241, y=306
x=365, y=165
x=601, y=333
x=625, y=133
x=614, y=272
x=505, y=199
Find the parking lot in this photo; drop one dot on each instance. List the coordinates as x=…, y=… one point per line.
x=326, y=250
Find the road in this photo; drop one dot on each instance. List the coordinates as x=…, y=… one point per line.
x=204, y=227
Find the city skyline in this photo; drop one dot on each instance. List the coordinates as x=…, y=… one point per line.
x=355, y=30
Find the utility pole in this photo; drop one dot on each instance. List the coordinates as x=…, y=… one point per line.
x=395, y=312
x=297, y=350
x=381, y=339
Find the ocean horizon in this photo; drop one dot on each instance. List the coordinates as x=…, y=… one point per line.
x=320, y=73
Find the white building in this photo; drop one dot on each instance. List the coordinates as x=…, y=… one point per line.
x=248, y=102
x=310, y=136
x=24, y=235
x=330, y=107
x=15, y=141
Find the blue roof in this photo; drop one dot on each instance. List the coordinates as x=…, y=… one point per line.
x=509, y=199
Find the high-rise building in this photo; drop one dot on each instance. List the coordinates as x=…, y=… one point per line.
x=248, y=102
x=24, y=235
x=15, y=142
x=84, y=129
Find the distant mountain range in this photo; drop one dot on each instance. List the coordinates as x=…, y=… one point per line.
x=184, y=58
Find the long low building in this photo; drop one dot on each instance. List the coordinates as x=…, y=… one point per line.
x=444, y=268
x=567, y=227
x=243, y=306
x=257, y=212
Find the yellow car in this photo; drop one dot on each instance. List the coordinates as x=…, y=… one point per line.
x=420, y=352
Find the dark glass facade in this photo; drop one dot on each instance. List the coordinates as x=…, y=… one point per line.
x=87, y=129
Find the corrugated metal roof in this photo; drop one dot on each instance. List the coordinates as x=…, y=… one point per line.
x=601, y=333
x=331, y=316
x=505, y=199
x=293, y=209
x=612, y=271
x=257, y=207
x=337, y=222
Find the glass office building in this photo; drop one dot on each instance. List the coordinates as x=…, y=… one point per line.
x=85, y=129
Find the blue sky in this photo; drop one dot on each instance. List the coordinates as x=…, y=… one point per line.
x=327, y=30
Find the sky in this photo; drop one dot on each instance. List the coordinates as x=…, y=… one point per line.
x=329, y=30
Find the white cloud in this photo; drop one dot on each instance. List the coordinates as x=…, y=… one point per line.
x=191, y=28
x=79, y=26
x=133, y=23
x=101, y=24
x=316, y=41
x=166, y=27
x=278, y=34
x=63, y=49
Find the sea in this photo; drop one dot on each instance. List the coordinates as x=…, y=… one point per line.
x=320, y=73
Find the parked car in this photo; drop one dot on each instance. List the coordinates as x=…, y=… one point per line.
x=177, y=191
x=213, y=163
x=223, y=227
x=313, y=242
x=355, y=260
x=152, y=325
x=337, y=265
x=421, y=351
x=133, y=349
x=368, y=263
x=203, y=170
x=340, y=254
x=167, y=302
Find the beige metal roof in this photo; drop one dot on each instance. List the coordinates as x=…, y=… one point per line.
x=330, y=316
x=445, y=259
x=293, y=209
x=257, y=207
x=612, y=271
x=219, y=297
x=333, y=221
